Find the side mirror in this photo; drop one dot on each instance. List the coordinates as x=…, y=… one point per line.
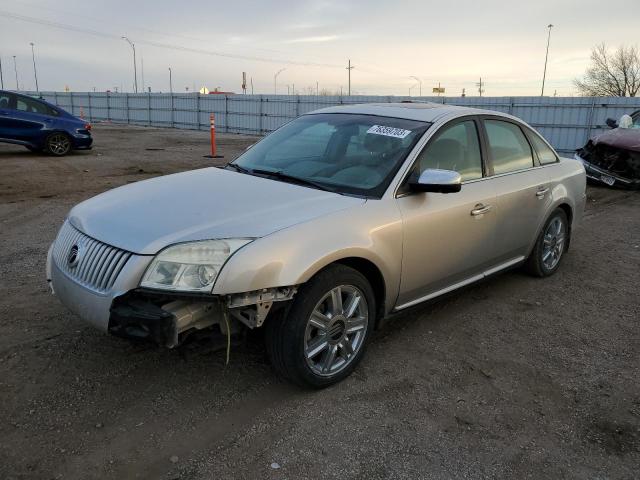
x=440, y=181
x=611, y=123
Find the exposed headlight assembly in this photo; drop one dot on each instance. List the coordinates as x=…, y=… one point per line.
x=190, y=267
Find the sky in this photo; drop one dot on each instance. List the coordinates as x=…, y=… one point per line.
x=451, y=43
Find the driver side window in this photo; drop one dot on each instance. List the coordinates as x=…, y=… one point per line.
x=455, y=148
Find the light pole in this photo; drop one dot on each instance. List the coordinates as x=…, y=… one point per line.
x=15, y=69
x=35, y=73
x=170, y=82
x=135, y=69
x=544, y=75
x=142, y=71
x=275, y=80
x=1, y=79
x=419, y=81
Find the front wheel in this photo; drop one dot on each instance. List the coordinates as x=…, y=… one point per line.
x=58, y=144
x=322, y=337
x=550, y=245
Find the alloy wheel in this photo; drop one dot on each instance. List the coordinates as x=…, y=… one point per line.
x=59, y=144
x=553, y=243
x=336, y=330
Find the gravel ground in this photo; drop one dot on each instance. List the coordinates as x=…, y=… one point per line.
x=514, y=377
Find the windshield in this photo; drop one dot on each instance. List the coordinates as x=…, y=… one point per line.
x=346, y=153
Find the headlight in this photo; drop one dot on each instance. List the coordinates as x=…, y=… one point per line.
x=190, y=267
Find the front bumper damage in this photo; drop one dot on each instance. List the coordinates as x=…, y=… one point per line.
x=613, y=158
x=166, y=319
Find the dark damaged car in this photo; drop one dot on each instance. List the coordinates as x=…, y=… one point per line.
x=613, y=157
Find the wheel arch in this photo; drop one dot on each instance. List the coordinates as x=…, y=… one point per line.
x=373, y=275
x=566, y=208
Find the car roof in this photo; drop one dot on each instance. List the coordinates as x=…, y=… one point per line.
x=421, y=111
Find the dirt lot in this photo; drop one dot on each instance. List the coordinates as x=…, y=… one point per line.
x=511, y=378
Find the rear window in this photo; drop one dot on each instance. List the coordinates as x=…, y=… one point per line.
x=545, y=154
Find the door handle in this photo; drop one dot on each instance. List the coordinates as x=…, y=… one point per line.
x=480, y=209
x=542, y=191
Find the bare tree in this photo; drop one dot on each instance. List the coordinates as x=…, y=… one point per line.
x=611, y=74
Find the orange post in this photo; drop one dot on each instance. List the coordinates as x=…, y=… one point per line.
x=212, y=119
x=81, y=113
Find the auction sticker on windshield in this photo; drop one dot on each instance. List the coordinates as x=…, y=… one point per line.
x=389, y=131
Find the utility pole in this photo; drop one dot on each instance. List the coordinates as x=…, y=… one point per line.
x=349, y=68
x=135, y=68
x=35, y=73
x=419, y=81
x=480, y=84
x=170, y=82
x=1, y=78
x=546, y=57
x=317, y=88
x=15, y=69
x=275, y=80
x=251, y=82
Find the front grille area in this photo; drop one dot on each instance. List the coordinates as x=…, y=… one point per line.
x=89, y=262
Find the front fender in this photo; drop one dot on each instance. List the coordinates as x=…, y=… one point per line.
x=372, y=231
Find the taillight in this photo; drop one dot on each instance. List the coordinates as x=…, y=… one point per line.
x=87, y=126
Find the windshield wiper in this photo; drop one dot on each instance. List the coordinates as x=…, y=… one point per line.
x=293, y=179
x=237, y=168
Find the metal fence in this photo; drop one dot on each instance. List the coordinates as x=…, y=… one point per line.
x=567, y=122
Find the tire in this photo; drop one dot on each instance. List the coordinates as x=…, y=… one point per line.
x=312, y=349
x=550, y=246
x=57, y=144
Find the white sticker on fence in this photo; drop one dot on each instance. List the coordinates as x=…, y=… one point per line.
x=389, y=131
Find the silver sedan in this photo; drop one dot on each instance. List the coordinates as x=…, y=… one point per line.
x=321, y=230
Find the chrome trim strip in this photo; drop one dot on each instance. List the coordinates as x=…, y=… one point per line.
x=462, y=283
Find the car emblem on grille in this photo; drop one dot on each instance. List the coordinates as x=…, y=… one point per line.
x=74, y=256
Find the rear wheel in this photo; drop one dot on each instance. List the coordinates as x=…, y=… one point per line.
x=322, y=337
x=58, y=144
x=550, y=246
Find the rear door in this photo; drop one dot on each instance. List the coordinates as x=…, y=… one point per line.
x=522, y=188
x=31, y=118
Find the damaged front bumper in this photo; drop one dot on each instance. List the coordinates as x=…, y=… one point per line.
x=127, y=311
x=606, y=177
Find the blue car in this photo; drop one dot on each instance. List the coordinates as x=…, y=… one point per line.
x=41, y=126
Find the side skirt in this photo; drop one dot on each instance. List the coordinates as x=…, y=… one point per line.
x=467, y=281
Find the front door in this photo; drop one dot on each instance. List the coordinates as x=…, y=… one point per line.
x=447, y=238
x=7, y=109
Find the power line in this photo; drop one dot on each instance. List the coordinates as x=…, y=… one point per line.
x=129, y=26
x=98, y=33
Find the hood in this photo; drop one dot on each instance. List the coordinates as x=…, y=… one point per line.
x=210, y=203
x=625, y=138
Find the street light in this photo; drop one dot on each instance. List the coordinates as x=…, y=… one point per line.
x=15, y=69
x=135, y=70
x=419, y=81
x=544, y=75
x=35, y=73
x=275, y=80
